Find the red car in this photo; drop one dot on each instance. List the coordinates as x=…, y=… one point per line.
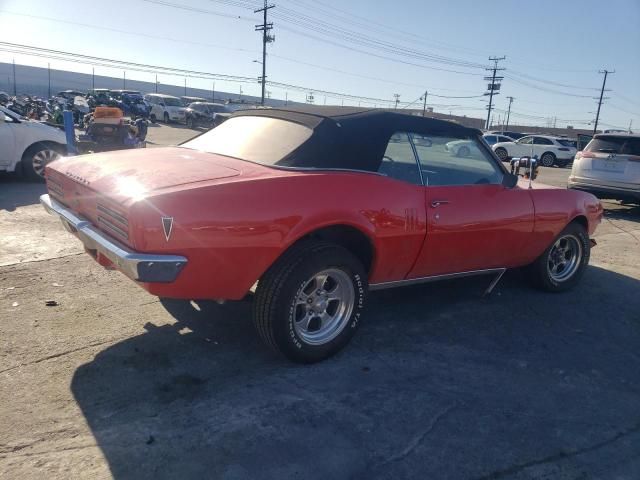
x=312, y=209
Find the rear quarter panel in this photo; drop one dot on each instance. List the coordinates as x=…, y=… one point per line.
x=233, y=232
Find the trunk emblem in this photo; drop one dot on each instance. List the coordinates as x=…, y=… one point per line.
x=167, y=226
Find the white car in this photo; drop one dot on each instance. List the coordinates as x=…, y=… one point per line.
x=165, y=108
x=549, y=150
x=609, y=167
x=464, y=148
x=28, y=145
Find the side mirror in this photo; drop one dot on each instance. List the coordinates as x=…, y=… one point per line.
x=509, y=180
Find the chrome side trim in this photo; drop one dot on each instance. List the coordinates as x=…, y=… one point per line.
x=437, y=278
x=141, y=267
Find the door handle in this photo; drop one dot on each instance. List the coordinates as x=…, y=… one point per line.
x=437, y=203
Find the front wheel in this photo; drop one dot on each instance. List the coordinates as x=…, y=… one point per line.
x=36, y=158
x=310, y=303
x=166, y=118
x=562, y=264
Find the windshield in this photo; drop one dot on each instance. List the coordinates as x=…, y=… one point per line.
x=257, y=139
x=618, y=145
x=172, y=102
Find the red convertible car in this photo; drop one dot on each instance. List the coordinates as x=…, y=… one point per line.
x=311, y=209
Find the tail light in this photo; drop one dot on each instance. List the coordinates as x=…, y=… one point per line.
x=583, y=154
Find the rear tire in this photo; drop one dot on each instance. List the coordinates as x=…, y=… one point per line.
x=547, y=159
x=166, y=118
x=309, y=304
x=562, y=264
x=502, y=154
x=153, y=118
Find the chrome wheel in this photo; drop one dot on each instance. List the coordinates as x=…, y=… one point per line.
x=564, y=258
x=323, y=306
x=41, y=159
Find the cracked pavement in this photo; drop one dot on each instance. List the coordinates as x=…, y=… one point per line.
x=439, y=383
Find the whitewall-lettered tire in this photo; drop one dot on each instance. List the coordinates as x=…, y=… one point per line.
x=310, y=303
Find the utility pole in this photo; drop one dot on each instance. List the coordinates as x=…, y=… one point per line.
x=493, y=87
x=185, y=86
x=213, y=92
x=156, y=83
x=424, y=105
x=266, y=38
x=49, y=78
x=511, y=99
x=286, y=98
x=604, y=82
x=630, y=123
x=93, y=78
x=14, y=78
x=124, y=79
x=397, y=97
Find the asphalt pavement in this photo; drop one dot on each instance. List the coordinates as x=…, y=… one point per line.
x=106, y=381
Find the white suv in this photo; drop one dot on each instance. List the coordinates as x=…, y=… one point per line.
x=609, y=167
x=165, y=108
x=549, y=150
x=28, y=145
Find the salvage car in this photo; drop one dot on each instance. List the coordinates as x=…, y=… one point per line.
x=205, y=114
x=27, y=145
x=312, y=208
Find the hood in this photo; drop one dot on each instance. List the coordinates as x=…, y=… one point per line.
x=44, y=131
x=134, y=174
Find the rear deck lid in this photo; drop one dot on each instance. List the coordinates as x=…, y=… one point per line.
x=128, y=174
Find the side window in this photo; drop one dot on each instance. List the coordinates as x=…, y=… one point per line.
x=526, y=141
x=541, y=141
x=490, y=139
x=451, y=161
x=399, y=161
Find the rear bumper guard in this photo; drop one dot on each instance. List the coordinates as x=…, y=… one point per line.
x=140, y=267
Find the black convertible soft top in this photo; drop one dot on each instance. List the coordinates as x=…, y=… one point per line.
x=352, y=138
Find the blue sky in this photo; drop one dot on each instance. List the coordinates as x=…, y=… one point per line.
x=554, y=49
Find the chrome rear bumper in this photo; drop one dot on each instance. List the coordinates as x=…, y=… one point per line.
x=140, y=267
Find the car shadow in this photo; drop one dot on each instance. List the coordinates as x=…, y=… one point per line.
x=440, y=382
x=18, y=192
x=621, y=211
